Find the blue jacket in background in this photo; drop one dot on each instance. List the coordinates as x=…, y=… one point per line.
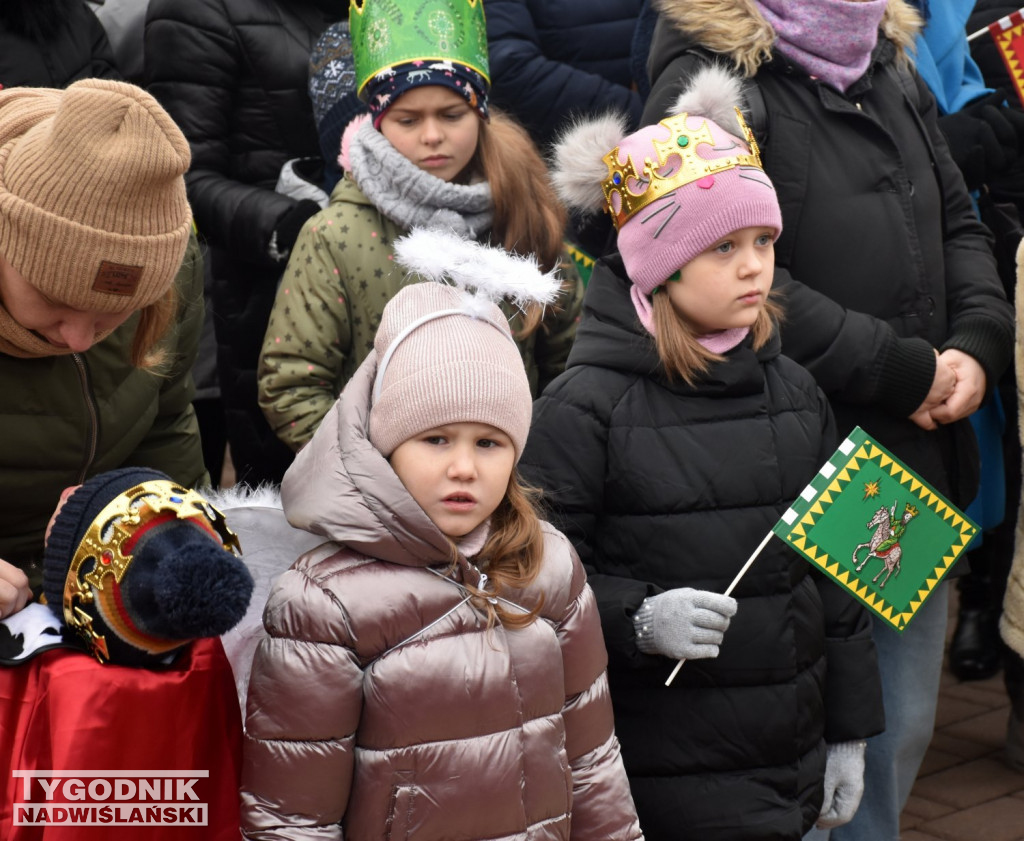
x=943, y=56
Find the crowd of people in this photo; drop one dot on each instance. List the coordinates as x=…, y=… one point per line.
x=521, y=322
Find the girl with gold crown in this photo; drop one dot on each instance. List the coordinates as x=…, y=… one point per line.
x=674, y=440
x=893, y=298
x=429, y=154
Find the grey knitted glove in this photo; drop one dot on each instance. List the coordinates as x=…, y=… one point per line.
x=844, y=783
x=683, y=624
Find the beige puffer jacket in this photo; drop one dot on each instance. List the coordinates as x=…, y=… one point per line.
x=1011, y=623
x=382, y=707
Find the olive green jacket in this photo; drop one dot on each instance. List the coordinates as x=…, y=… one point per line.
x=66, y=418
x=340, y=275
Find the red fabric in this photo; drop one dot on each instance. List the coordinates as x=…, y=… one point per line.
x=63, y=711
x=1010, y=43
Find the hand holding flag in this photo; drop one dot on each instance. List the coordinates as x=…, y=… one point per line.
x=890, y=556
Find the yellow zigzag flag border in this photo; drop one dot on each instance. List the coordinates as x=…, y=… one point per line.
x=1003, y=41
x=868, y=451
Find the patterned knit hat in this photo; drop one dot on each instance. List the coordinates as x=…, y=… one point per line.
x=383, y=91
x=332, y=90
x=673, y=189
x=140, y=566
x=93, y=210
x=446, y=356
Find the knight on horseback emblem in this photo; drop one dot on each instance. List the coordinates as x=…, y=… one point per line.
x=885, y=542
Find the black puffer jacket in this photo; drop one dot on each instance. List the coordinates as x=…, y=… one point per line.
x=233, y=74
x=553, y=58
x=77, y=48
x=881, y=257
x=660, y=485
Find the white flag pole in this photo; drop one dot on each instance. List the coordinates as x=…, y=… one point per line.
x=728, y=591
x=1004, y=24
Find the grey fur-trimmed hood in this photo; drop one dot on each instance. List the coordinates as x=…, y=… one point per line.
x=737, y=30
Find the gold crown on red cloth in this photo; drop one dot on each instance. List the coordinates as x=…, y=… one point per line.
x=103, y=556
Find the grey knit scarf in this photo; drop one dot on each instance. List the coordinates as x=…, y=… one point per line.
x=414, y=198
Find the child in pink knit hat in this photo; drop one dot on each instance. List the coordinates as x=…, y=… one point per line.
x=435, y=668
x=674, y=440
x=674, y=190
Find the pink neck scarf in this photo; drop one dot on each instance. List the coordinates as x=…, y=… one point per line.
x=720, y=342
x=724, y=341
x=830, y=39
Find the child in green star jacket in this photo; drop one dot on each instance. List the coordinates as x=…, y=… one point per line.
x=429, y=154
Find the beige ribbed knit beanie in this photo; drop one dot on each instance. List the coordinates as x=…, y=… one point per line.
x=93, y=210
x=449, y=369
x=447, y=356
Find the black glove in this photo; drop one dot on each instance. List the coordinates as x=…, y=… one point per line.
x=984, y=137
x=289, y=225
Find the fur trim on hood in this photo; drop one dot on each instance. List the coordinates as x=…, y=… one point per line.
x=736, y=28
x=243, y=496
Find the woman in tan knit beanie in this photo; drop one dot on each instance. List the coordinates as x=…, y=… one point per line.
x=97, y=337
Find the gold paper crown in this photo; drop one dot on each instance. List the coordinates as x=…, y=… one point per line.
x=653, y=182
x=104, y=540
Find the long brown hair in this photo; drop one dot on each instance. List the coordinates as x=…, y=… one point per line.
x=512, y=555
x=676, y=341
x=529, y=218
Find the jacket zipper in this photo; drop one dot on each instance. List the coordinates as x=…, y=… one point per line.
x=90, y=405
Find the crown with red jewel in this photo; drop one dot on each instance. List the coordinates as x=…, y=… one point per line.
x=103, y=556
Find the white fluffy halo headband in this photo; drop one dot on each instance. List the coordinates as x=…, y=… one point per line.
x=484, y=274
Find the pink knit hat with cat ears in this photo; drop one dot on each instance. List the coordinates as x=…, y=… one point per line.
x=445, y=355
x=674, y=189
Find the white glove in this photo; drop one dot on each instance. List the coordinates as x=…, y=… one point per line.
x=683, y=624
x=844, y=783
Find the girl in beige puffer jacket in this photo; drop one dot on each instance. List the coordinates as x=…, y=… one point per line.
x=434, y=670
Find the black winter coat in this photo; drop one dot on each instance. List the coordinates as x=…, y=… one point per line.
x=78, y=49
x=661, y=485
x=233, y=74
x=881, y=257
x=552, y=58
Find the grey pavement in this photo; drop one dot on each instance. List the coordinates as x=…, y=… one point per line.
x=965, y=791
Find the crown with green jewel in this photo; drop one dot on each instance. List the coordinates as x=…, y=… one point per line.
x=390, y=32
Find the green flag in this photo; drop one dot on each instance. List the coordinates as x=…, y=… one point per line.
x=875, y=527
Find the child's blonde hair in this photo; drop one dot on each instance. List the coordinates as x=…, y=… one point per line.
x=676, y=341
x=154, y=324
